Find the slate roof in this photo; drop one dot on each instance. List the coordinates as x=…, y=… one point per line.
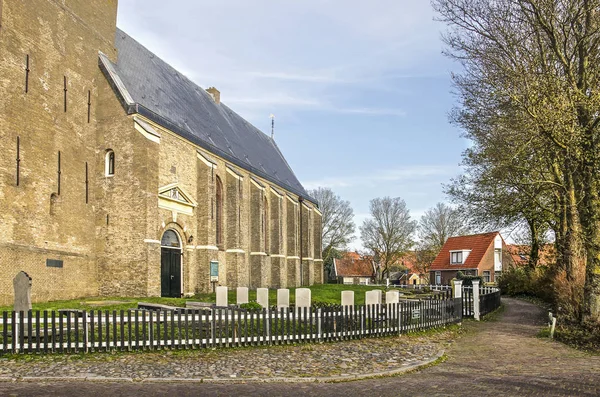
x=353, y=265
x=164, y=95
x=477, y=243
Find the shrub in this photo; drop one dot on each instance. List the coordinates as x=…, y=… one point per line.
x=515, y=281
x=468, y=280
x=251, y=306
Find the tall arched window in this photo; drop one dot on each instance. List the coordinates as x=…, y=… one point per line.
x=266, y=224
x=109, y=163
x=219, y=212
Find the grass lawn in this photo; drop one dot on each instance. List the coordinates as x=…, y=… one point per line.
x=325, y=293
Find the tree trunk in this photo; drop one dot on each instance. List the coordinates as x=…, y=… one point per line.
x=591, y=225
x=534, y=254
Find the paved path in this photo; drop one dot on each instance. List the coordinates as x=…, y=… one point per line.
x=501, y=358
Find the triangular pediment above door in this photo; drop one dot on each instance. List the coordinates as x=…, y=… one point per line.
x=172, y=197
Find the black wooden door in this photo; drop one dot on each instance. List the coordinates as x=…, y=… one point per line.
x=170, y=273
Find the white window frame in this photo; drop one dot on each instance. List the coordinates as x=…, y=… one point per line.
x=487, y=276
x=459, y=254
x=438, y=278
x=107, y=170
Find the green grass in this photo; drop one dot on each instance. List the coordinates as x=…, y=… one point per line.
x=324, y=294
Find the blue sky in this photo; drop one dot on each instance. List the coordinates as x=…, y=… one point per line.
x=360, y=90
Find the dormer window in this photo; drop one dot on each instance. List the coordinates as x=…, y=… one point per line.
x=456, y=258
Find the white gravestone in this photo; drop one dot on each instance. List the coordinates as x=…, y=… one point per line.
x=22, y=286
x=262, y=297
x=348, y=298
x=372, y=297
x=379, y=296
x=222, y=296
x=302, y=297
x=392, y=297
x=283, y=298
x=242, y=295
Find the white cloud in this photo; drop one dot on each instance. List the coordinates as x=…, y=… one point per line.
x=396, y=175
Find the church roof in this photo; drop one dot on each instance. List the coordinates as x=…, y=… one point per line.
x=149, y=86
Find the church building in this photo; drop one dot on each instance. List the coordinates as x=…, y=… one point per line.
x=119, y=176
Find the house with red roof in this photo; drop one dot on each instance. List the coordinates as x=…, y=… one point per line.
x=411, y=276
x=520, y=254
x=483, y=254
x=354, y=268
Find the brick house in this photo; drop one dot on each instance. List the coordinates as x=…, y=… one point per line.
x=353, y=268
x=478, y=255
x=120, y=176
x=411, y=276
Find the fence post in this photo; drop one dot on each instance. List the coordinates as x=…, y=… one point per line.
x=319, y=314
x=458, y=297
x=476, y=309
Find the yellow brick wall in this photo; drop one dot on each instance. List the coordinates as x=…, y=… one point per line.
x=111, y=245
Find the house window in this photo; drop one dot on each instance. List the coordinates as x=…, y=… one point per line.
x=498, y=255
x=456, y=257
x=109, y=163
x=497, y=276
x=219, y=212
x=486, y=276
x=438, y=278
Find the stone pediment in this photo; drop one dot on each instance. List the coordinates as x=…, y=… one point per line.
x=172, y=197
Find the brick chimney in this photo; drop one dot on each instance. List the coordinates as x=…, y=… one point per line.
x=215, y=94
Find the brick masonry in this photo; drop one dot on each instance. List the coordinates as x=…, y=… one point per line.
x=110, y=245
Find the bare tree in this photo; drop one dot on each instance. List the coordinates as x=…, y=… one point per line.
x=388, y=234
x=338, y=225
x=439, y=223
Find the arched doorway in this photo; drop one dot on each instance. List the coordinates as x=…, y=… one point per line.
x=170, y=265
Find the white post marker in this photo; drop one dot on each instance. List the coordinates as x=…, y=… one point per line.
x=476, y=309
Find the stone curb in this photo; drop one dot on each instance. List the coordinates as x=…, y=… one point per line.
x=323, y=379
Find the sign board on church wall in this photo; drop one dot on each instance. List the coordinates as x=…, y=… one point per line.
x=214, y=271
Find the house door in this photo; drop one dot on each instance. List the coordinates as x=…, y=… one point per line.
x=170, y=265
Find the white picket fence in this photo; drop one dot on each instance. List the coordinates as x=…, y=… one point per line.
x=75, y=332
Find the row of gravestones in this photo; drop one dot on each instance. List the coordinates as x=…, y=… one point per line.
x=303, y=297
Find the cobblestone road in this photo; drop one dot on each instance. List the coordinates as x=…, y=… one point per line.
x=502, y=358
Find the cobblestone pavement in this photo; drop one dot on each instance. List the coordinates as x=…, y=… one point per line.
x=345, y=359
x=502, y=358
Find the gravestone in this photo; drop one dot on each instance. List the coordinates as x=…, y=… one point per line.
x=242, y=295
x=262, y=297
x=392, y=297
x=22, y=286
x=372, y=297
x=302, y=297
x=283, y=298
x=348, y=298
x=379, y=295
x=222, y=298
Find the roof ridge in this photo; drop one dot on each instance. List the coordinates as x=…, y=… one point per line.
x=170, y=95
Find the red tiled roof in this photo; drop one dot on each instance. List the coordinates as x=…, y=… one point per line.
x=477, y=243
x=353, y=265
x=520, y=254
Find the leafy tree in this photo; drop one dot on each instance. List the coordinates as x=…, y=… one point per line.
x=529, y=97
x=388, y=233
x=338, y=225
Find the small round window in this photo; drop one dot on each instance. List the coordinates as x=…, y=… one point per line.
x=170, y=239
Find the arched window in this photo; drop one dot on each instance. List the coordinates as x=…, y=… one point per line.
x=266, y=224
x=109, y=163
x=219, y=212
x=170, y=239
